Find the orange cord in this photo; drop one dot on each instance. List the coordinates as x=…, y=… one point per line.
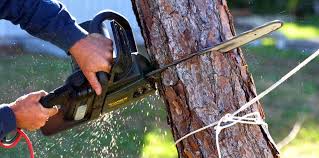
x=21, y=134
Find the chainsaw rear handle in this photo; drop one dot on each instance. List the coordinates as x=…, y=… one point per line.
x=97, y=22
x=57, y=96
x=123, y=40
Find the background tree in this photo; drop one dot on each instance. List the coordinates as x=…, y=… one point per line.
x=295, y=7
x=202, y=90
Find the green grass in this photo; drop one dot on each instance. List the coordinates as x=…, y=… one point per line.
x=23, y=74
x=306, y=144
x=268, y=42
x=307, y=28
x=289, y=102
x=296, y=31
x=141, y=130
x=118, y=134
x=158, y=145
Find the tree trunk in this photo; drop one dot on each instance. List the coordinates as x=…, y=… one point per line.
x=200, y=91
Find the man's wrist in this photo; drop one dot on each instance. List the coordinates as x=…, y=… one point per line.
x=77, y=46
x=7, y=119
x=70, y=35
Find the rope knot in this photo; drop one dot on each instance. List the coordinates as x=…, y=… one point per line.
x=227, y=118
x=253, y=117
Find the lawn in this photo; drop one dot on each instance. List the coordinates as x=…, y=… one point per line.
x=294, y=100
x=141, y=131
x=123, y=133
x=306, y=28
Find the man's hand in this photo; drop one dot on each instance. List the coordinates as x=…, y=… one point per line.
x=29, y=113
x=93, y=54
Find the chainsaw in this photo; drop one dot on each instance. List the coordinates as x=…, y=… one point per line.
x=132, y=77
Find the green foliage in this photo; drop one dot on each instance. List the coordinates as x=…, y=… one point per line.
x=299, y=31
x=292, y=5
x=268, y=42
x=305, y=28
x=297, y=7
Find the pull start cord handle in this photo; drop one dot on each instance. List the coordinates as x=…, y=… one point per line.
x=21, y=134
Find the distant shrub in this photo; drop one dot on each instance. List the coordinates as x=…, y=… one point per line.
x=295, y=7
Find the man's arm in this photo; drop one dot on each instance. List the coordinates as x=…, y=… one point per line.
x=7, y=120
x=46, y=19
x=26, y=113
x=49, y=20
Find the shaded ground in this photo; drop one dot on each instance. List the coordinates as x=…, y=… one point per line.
x=141, y=130
x=122, y=133
x=295, y=99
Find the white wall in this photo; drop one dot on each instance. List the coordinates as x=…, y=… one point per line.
x=82, y=10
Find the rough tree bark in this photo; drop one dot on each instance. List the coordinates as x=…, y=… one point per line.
x=202, y=90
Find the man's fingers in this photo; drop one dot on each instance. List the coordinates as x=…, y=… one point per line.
x=94, y=82
x=108, y=52
x=96, y=35
x=37, y=95
x=109, y=55
x=32, y=129
x=106, y=67
x=102, y=38
x=93, y=54
x=48, y=112
x=53, y=111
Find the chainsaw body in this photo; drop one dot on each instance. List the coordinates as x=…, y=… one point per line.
x=125, y=84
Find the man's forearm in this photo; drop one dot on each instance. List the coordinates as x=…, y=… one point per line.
x=7, y=120
x=48, y=20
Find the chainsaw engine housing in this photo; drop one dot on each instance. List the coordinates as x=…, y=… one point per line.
x=125, y=84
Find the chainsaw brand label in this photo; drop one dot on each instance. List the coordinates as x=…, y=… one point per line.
x=120, y=101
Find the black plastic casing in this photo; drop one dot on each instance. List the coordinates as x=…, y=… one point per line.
x=124, y=85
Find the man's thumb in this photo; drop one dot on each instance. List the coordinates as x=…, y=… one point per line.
x=91, y=77
x=53, y=111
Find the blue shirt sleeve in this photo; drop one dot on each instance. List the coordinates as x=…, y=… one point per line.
x=7, y=121
x=45, y=19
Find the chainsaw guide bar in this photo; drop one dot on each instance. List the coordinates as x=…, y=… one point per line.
x=230, y=44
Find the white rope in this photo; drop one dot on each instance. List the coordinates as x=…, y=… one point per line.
x=252, y=118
